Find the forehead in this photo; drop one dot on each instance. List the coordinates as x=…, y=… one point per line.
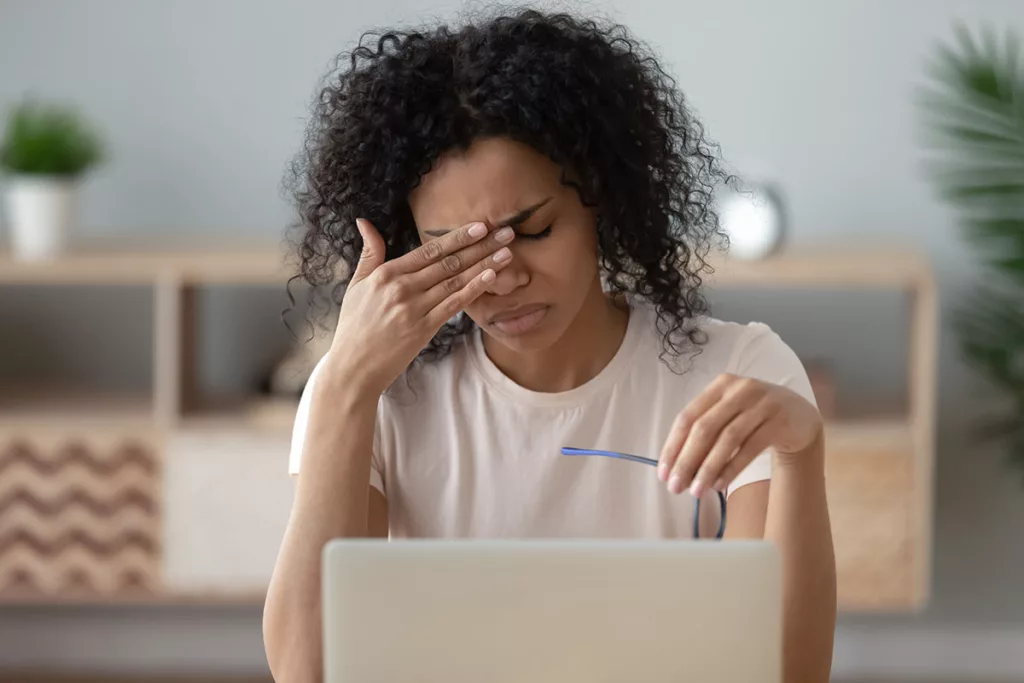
x=492, y=180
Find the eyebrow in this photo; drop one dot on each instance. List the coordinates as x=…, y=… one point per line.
x=512, y=221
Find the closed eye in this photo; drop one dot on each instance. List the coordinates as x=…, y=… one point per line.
x=534, y=236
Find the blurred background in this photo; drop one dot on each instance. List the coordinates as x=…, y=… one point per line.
x=147, y=382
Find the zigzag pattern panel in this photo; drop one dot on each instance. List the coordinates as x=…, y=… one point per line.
x=79, y=517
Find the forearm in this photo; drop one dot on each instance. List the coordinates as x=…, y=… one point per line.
x=332, y=487
x=798, y=523
x=331, y=501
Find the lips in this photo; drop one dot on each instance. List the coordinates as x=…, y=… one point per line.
x=519, y=321
x=513, y=313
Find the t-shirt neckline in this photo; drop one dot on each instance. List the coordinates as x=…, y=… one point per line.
x=573, y=397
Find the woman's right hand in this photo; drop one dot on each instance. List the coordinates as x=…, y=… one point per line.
x=392, y=310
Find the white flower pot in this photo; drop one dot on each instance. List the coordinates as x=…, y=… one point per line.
x=40, y=212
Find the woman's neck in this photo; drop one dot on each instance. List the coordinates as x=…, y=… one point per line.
x=588, y=345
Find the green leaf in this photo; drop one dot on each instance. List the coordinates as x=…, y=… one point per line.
x=943, y=116
x=998, y=228
x=975, y=133
x=48, y=140
x=1015, y=449
x=966, y=40
x=966, y=190
x=991, y=330
x=1014, y=264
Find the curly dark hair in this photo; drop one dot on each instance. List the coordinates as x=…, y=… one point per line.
x=591, y=98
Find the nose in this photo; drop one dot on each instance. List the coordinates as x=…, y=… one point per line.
x=509, y=280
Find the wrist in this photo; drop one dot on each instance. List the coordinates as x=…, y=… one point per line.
x=811, y=456
x=340, y=398
x=346, y=383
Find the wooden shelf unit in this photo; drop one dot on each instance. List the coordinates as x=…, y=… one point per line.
x=880, y=470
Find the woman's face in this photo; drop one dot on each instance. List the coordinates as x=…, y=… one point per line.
x=554, y=269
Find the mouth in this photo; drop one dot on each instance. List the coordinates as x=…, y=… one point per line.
x=519, y=320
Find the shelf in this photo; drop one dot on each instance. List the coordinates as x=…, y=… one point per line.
x=65, y=677
x=894, y=433
x=254, y=265
x=278, y=415
x=269, y=266
x=275, y=415
x=68, y=408
x=870, y=477
x=131, y=600
x=825, y=268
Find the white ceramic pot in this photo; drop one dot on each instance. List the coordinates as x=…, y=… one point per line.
x=40, y=212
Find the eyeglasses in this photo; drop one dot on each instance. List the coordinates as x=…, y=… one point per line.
x=654, y=463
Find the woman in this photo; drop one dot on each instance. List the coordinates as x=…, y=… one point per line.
x=523, y=205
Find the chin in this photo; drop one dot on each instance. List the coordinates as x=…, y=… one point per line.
x=532, y=342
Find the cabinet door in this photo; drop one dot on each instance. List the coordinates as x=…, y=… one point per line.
x=228, y=495
x=79, y=513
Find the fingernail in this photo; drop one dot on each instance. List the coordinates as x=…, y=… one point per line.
x=359, y=226
x=488, y=275
x=696, y=488
x=477, y=230
x=662, y=471
x=505, y=235
x=675, y=484
x=502, y=255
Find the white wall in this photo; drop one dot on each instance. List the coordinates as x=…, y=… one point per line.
x=204, y=104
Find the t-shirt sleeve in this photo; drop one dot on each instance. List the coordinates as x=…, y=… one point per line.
x=764, y=356
x=301, y=424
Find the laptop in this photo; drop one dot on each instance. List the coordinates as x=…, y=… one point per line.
x=551, y=611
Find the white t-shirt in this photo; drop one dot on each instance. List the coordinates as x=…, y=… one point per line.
x=463, y=451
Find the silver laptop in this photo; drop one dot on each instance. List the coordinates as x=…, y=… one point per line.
x=551, y=611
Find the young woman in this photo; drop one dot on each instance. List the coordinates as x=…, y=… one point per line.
x=520, y=211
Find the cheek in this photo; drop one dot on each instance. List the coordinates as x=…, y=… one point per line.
x=572, y=256
x=563, y=264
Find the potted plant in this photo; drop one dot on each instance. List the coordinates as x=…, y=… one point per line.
x=45, y=151
x=974, y=111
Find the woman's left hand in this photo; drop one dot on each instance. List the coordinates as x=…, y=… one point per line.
x=732, y=421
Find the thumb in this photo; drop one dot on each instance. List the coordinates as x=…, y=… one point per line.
x=373, y=250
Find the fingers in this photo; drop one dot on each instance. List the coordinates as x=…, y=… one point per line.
x=373, y=250
x=466, y=259
x=437, y=249
x=456, y=302
x=709, y=440
x=726, y=448
x=701, y=438
x=684, y=422
x=435, y=282
x=442, y=290
x=756, y=444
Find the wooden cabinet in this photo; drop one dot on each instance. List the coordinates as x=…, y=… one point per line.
x=879, y=468
x=150, y=457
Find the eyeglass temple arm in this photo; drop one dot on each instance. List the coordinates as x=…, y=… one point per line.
x=649, y=461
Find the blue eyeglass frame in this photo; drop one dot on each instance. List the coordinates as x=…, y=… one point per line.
x=566, y=450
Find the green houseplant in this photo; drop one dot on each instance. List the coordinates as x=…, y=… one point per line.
x=973, y=110
x=44, y=152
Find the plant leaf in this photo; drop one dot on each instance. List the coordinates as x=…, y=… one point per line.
x=48, y=140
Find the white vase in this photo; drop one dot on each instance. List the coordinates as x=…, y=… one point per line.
x=40, y=212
